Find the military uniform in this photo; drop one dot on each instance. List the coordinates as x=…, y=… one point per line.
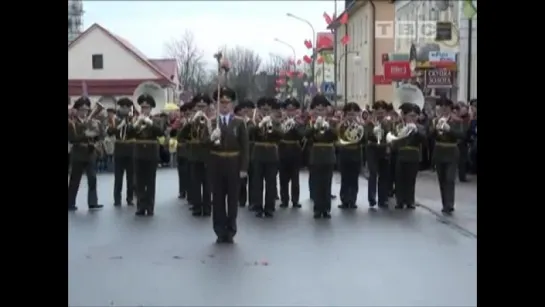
x=349, y=163
x=83, y=156
x=146, y=155
x=197, y=137
x=395, y=120
x=378, y=161
x=291, y=154
x=182, y=154
x=407, y=161
x=445, y=157
x=264, y=159
x=244, y=182
x=322, y=161
x=123, y=132
x=229, y=157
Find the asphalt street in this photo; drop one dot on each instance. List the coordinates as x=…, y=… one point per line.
x=358, y=258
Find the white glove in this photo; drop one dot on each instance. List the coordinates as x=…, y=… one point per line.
x=197, y=115
x=325, y=125
x=243, y=174
x=216, y=135
x=148, y=121
x=376, y=129
x=411, y=128
x=446, y=127
x=264, y=121
x=390, y=137
x=90, y=133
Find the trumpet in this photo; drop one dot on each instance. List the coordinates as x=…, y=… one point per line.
x=288, y=124
x=378, y=131
x=142, y=122
x=441, y=124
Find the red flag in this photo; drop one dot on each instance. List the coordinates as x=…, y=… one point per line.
x=282, y=73
x=328, y=19
x=324, y=41
x=308, y=43
x=279, y=81
x=289, y=73
x=344, y=18
x=299, y=62
x=345, y=40
x=307, y=59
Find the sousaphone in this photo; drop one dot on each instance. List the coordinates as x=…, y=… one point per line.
x=409, y=93
x=154, y=90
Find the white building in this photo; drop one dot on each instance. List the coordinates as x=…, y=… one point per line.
x=104, y=66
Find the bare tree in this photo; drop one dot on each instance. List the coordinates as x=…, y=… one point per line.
x=245, y=64
x=276, y=63
x=191, y=65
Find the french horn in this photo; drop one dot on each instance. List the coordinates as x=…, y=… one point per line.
x=288, y=124
x=350, y=132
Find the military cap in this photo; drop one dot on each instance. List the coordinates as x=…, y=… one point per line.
x=125, y=102
x=246, y=104
x=445, y=102
x=389, y=107
x=238, y=108
x=408, y=107
x=110, y=110
x=146, y=98
x=379, y=104
x=473, y=102
x=319, y=100
x=186, y=107
x=225, y=93
x=291, y=102
x=263, y=101
x=351, y=107
x=201, y=97
x=82, y=101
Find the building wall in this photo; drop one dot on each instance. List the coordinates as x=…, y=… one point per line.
x=118, y=62
x=359, y=82
x=463, y=58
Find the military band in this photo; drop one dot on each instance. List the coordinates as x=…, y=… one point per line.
x=227, y=161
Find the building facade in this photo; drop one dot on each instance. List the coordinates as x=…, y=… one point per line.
x=467, y=69
x=360, y=60
x=75, y=19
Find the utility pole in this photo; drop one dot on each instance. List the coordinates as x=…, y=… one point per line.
x=335, y=55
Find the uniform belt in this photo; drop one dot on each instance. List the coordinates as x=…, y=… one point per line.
x=225, y=153
x=290, y=142
x=265, y=144
x=124, y=141
x=181, y=144
x=146, y=142
x=445, y=144
x=195, y=142
x=322, y=144
x=409, y=148
x=351, y=146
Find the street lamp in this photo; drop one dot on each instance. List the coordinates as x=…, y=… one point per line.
x=357, y=60
x=312, y=66
x=292, y=49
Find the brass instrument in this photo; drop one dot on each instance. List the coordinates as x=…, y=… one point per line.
x=321, y=125
x=266, y=124
x=93, y=126
x=201, y=126
x=142, y=122
x=441, y=124
x=378, y=131
x=350, y=132
x=406, y=93
x=288, y=124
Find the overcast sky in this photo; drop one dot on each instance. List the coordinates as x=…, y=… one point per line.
x=254, y=24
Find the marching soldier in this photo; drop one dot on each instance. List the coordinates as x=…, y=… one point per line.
x=378, y=156
x=146, y=154
x=350, y=155
x=121, y=128
x=229, y=159
x=83, y=133
x=182, y=152
x=446, y=132
x=291, y=153
x=394, y=119
x=244, y=110
x=321, y=137
x=196, y=133
x=264, y=157
x=408, y=139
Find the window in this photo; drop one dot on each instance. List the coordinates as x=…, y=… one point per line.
x=98, y=61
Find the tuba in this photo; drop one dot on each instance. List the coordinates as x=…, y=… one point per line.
x=406, y=93
x=154, y=90
x=350, y=132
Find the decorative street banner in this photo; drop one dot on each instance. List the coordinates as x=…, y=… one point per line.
x=439, y=78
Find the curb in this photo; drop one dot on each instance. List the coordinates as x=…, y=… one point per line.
x=448, y=221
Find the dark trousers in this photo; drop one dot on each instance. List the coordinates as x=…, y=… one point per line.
x=264, y=177
x=76, y=172
x=446, y=175
x=250, y=184
x=183, y=175
x=378, y=181
x=350, y=174
x=406, y=173
x=462, y=161
x=146, y=171
x=322, y=175
x=69, y=163
x=200, y=187
x=311, y=188
x=225, y=175
x=164, y=155
x=392, y=175
x=243, y=196
x=122, y=165
x=289, y=172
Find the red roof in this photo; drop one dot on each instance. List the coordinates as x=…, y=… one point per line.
x=167, y=66
x=127, y=46
x=108, y=87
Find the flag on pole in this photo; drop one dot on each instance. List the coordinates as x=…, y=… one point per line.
x=84, y=92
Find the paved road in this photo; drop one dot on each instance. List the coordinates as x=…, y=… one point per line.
x=359, y=258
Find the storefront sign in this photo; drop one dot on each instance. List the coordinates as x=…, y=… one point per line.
x=400, y=70
x=442, y=56
x=439, y=78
